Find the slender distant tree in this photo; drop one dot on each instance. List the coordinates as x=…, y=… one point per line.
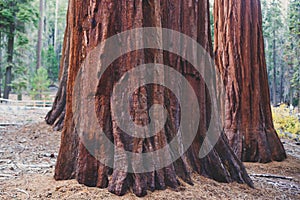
x=10, y=50
x=1, y=61
x=40, y=36
x=56, y=25
x=91, y=23
x=240, y=58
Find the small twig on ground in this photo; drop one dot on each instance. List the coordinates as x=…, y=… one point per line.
x=23, y=191
x=5, y=193
x=272, y=176
x=34, y=166
x=6, y=175
x=78, y=193
x=9, y=124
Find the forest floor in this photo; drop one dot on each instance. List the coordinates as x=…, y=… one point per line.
x=28, y=152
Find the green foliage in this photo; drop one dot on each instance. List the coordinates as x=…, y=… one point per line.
x=20, y=82
x=15, y=16
x=294, y=17
x=27, y=13
x=294, y=38
x=211, y=13
x=52, y=64
x=6, y=14
x=23, y=16
x=18, y=13
x=40, y=84
x=22, y=40
x=272, y=17
x=286, y=121
x=273, y=27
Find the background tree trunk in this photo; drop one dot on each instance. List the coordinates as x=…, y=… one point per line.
x=274, y=70
x=281, y=93
x=240, y=58
x=91, y=23
x=10, y=53
x=298, y=62
x=56, y=25
x=40, y=36
x=1, y=76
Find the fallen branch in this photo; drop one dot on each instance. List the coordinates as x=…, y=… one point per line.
x=34, y=166
x=6, y=175
x=5, y=160
x=9, y=124
x=272, y=176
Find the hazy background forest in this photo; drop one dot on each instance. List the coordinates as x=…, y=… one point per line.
x=31, y=40
x=31, y=35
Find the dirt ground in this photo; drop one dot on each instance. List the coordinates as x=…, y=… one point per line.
x=28, y=154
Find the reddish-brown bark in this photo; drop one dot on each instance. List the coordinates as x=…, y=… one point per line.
x=240, y=58
x=91, y=23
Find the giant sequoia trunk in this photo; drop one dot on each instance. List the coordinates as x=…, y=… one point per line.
x=90, y=23
x=240, y=58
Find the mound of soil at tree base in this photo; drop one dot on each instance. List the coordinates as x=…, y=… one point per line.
x=28, y=155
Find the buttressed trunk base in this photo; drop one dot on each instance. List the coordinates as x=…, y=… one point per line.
x=91, y=23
